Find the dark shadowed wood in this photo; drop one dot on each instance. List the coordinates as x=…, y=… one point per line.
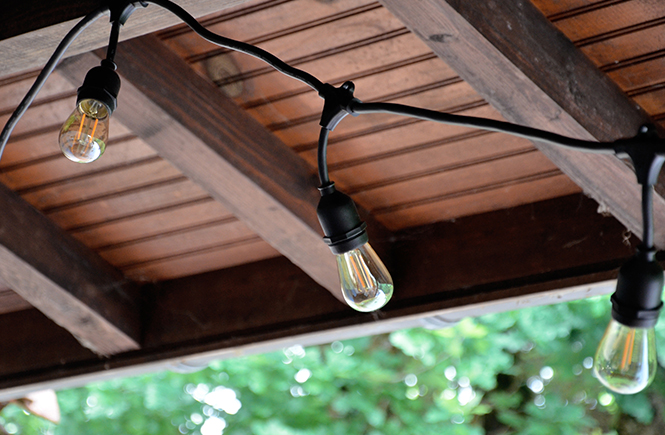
x=65, y=280
x=29, y=334
x=519, y=62
x=32, y=29
x=234, y=158
x=556, y=239
x=10, y=301
x=552, y=245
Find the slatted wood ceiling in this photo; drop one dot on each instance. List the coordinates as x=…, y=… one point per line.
x=150, y=221
x=405, y=172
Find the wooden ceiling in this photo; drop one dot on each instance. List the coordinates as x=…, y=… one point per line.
x=196, y=230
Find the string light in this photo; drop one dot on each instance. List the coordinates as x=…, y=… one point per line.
x=625, y=361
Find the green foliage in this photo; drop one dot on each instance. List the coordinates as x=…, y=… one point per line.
x=522, y=372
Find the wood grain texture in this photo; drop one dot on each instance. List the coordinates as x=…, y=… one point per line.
x=614, y=17
x=226, y=152
x=498, y=47
x=31, y=30
x=438, y=269
x=65, y=280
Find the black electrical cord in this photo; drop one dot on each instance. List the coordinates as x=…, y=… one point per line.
x=241, y=47
x=358, y=107
x=322, y=157
x=647, y=217
x=113, y=40
x=46, y=72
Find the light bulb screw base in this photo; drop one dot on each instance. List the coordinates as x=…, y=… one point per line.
x=637, y=300
x=343, y=229
x=101, y=83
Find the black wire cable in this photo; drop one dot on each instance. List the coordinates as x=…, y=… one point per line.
x=242, y=47
x=647, y=216
x=113, y=40
x=322, y=157
x=485, y=124
x=46, y=72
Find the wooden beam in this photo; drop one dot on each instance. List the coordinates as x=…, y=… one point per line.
x=32, y=29
x=443, y=270
x=66, y=281
x=522, y=65
x=204, y=134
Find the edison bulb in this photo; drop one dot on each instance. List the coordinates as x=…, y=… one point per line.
x=366, y=283
x=626, y=358
x=84, y=135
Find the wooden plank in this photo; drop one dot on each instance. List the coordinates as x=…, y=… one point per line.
x=204, y=259
x=638, y=75
x=452, y=98
x=43, y=114
x=29, y=336
x=449, y=179
x=300, y=46
x=653, y=102
x=177, y=242
x=378, y=87
x=335, y=68
x=347, y=150
x=40, y=142
x=147, y=200
x=99, y=184
x=559, y=7
x=14, y=89
x=454, y=155
x=500, y=47
x=264, y=23
x=614, y=17
x=483, y=199
x=554, y=244
x=31, y=30
x=65, y=280
x=607, y=52
x=542, y=248
x=117, y=155
x=141, y=226
x=262, y=182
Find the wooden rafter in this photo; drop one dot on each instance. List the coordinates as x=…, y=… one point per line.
x=32, y=29
x=212, y=141
x=66, y=281
x=522, y=65
x=553, y=245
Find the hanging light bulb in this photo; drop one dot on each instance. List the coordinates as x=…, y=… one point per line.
x=366, y=283
x=84, y=135
x=626, y=358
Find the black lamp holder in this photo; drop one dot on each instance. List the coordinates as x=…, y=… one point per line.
x=636, y=302
x=101, y=83
x=337, y=213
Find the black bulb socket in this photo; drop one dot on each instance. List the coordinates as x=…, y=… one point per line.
x=637, y=302
x=343, y=229
x=101, y=83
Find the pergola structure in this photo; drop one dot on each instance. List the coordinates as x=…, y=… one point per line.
x=195, y=235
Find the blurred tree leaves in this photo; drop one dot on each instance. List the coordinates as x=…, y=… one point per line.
x=522, y=372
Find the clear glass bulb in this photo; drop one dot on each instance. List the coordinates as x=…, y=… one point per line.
x=626, y=358
x=84, y=135
x=366, y=283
